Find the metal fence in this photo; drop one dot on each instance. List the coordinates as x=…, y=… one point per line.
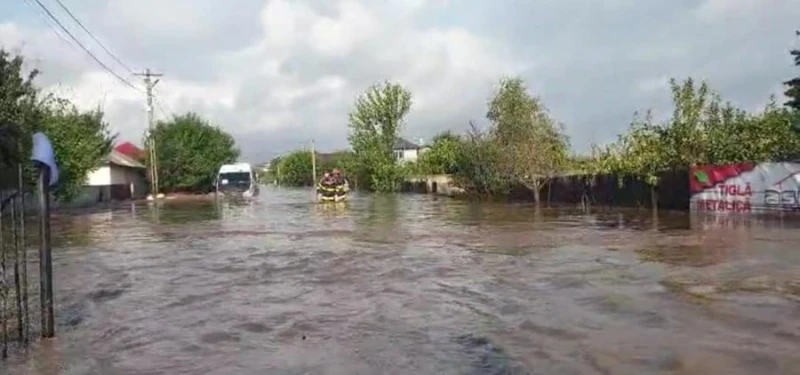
x=19, y=225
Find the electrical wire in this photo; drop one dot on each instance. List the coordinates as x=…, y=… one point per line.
x=60, y=25
x=50, y=24
x=113, y=56
x=168, y=113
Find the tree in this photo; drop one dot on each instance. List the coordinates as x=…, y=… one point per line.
x=19, y=115
x=81, y=141
x=479, y=169
x=793, y=90
x=442, y=156
x=702, y=130
x=686, y=132
x=534, y=146
x=296, y=169
x=190, y=151
x=642, y=152
x=375, y=123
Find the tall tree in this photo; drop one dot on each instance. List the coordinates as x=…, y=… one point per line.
x=534, y=146
x=190, y=151
x=793, y=90
x=81, y=141
x=375, y=123
x=19, y=114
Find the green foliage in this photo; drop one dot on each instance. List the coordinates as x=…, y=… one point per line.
x=533, y=146
x=524, y=146
x=375, y=123
x=442, y=155
x=479, y=169
x=190, y=151
x=19, y=115
x=81, y=141
x=295, y=169
x=702, y=130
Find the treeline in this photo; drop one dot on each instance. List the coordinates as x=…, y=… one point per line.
x=189, y=148
x=525, y=147
x=374, y=124
x=528, y=151
x=81, y=139
x=296, y=168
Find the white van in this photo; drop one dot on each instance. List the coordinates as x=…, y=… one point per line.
x=239, y=178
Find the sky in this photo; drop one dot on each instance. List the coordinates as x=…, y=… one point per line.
x=278, y=74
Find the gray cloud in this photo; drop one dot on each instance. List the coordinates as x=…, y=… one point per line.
x=275, y=86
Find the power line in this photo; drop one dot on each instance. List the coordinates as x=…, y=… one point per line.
x=49, y=23
x=92, y=36
x=168, y=113
x=50, y=14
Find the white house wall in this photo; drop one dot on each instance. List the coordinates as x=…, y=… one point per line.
x=409, y=155
x=129, y=176
x=117, y=175
x=99, y=177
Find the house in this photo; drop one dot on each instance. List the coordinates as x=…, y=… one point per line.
x=119, y=177
x=405, y=151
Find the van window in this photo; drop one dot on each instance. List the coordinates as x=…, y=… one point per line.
x=234, y=178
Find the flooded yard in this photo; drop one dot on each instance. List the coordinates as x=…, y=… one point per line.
x=412, y=284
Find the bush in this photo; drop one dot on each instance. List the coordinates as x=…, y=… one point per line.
x=190, y=151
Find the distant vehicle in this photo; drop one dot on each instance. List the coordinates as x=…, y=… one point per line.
x=239, y=178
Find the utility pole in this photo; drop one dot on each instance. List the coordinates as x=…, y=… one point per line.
x=151, y=147
x=313, y=164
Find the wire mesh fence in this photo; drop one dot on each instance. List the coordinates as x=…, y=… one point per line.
x=16, y=291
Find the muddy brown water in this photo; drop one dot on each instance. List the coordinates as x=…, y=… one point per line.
x=412, y=284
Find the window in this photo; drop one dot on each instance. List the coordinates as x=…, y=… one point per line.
x=236, y=178
x=398, y=154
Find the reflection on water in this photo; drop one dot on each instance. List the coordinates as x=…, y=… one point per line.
x=412, y=284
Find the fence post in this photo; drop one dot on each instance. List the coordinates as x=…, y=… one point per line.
x=24, y=261
x=3, y=285
x=45, y=252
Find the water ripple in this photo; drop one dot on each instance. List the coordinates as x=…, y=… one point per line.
x=411, y=284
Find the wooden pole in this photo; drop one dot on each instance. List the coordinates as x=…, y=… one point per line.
x=3, y=286
x=45, y=253
x=24, y=246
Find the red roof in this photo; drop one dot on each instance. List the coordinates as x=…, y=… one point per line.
x=129, y=149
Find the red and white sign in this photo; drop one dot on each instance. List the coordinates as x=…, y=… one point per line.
x=745, y=187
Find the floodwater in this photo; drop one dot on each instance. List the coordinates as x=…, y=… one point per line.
x=412, y=284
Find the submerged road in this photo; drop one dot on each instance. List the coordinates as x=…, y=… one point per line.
x=412, y=284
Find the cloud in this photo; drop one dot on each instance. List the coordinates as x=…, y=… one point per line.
x=279, y=73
